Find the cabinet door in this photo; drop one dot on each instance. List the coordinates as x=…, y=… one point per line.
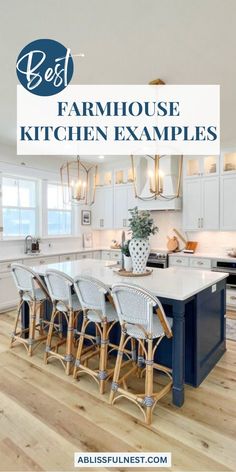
x=192, y=204
x=108, y=207
x=8, y=291
x=210, y=204
x=120, y=207
x=97, y=209
x=103, y=208
x=228, y=198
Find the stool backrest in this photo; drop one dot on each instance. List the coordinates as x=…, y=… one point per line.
x=134, y=305
x=27, y=280
x=91, y=293
x=59, y=286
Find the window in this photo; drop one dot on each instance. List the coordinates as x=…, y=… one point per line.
x=59, y=213
x=18, y=206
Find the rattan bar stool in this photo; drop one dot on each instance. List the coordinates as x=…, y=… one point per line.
x=98, y=308
x=135, y=310
x=33, y=292
x=65, y=304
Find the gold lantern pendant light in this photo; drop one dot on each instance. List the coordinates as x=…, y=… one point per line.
x=78, y=180
x=156, y=176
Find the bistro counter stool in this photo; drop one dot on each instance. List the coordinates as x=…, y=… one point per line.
x=98, y=308
x=138, y=322
x=65, y=304
x=33, y=292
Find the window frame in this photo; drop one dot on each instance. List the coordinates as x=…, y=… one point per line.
x=14, y=207
x=46, y=234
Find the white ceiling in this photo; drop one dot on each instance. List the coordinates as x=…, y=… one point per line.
x=127, y=41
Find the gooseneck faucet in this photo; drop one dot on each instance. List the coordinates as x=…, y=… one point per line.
x=28, y=244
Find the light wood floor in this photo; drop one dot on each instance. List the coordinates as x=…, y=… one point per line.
x=45, y=417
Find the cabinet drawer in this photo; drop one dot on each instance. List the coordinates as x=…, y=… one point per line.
x=115, y=256
x=84, y=255
x=231, y=298
x=36, y=261
x=6, y=266
x=178, y=261
x=106, y=255
x=200, y=263
x=67, y=257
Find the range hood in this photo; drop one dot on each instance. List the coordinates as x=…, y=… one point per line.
x=169, y=170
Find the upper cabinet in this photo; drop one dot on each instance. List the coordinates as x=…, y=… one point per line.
x=228, y=163
x=201, y=193
x=228, y=192
x=102, y=209
x=201, y=166
x=124, y=199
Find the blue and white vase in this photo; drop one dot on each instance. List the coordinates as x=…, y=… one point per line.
x=139, y=251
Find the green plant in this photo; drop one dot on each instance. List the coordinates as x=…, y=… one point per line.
x=141, y=223
x=125, y=248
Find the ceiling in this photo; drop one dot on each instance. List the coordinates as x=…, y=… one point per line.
x=125, y=42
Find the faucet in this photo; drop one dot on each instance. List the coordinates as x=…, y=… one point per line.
x=28, y=244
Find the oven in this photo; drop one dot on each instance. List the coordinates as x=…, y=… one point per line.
x=228, y=267
x=158, y=260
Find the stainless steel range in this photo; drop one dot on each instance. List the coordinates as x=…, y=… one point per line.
x=228, y=266
x=158, y=259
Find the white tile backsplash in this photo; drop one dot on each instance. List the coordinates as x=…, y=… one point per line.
x=210, y=242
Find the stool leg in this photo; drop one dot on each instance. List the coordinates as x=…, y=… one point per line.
x=116, y=375
x=103, y=358
x=49, y=337
x=32, y=327
x=69, y=342
x=149, y=382
x=16, y=322
x=80, y=347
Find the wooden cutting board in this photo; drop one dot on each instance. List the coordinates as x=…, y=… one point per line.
x=172, y=244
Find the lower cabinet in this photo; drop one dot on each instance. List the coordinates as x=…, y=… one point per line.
x=8, y=292
x=84, y=255
x=67, y=257
x=35, y=261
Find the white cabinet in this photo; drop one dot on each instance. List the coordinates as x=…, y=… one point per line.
x=231, y=298
x=199, y=166
x=178, y=261
x=111, y=255
x=124, y=199
x=102, y=209
x=84, y=255
x=67, y=257
x=201, y=203
x=227, y=204
x=210, y=203
x=97, y=255
x=200, y=263
x=35, y=261
x=192, y=204
x=8, y=291
x=188, y=261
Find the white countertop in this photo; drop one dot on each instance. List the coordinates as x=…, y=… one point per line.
x=174, y=283
x=204, y=255
x=16, y=257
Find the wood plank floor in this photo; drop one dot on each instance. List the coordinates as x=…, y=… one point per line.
x=45, y=417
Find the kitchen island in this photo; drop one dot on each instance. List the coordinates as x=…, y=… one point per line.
x=195, y=300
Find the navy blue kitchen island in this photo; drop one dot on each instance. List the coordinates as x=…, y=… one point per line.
x=194, y=299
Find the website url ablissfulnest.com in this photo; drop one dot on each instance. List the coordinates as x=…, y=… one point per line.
x=128, y=459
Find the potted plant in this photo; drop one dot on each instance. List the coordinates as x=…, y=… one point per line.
x=141, y=226
x=127, y=258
